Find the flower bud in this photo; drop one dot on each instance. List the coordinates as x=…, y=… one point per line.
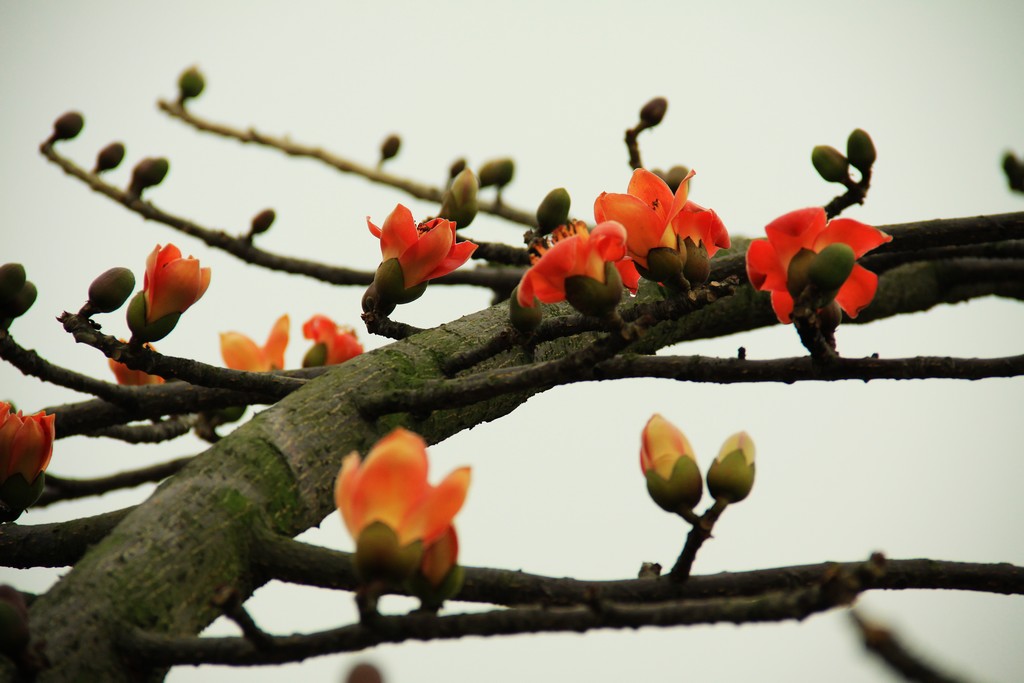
x=262, y=221
x=1014, y=170
x=797, y=277
x=109, y=158
x=456, y=168
x=591, y=297
x=68, y=126
x=459, y=204
x=498, y=172
x=653, y=112
x=675, y=176
x=18, y=305
x=316, y=356
x=18, y=494
x=664, y=264
x=190, y=84
x=389, y=148
x=110, y=290
x=379, y=557
x=12, y=279
x=831, y=266
x=697, y=268
x=147, y=173
x=861, y=150
x=731, y=475
x=388, y=288
x=668, y=463
x=830, y=164
x=151, y=332
x=553, y=211
x=524, y=318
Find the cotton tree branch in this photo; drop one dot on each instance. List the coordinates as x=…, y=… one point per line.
x=156, y=432
x=282, y=144
x=59, y=544
x=501, y=279
x=701, y=532
x=882, y=643
x=838, y=587
x=60, y=489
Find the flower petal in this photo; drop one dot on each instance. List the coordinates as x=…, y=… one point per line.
x=763, y=268
x=344, y=487
x=277, y=342
x=654, y=193
x=782, y=303
x=457, y=255
x=398, y=234
x=795, y=231
x=701, y=225
x=645, y=229
x=858, y=291
x=241, y=353
x=421, y=258
x=679, y=200
x=858, y=236
x=392, y=478
x=435, y=511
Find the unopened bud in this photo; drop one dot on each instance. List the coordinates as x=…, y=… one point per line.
x=830, y=164
x=12, y=279
x=262, y=221
x=675, y=176
x=109, y=158
x=654, y=111
x=524, y=318
x=456, y=168
x=591, y=297
x=142, y=332
x=797, y=276
x=731, y=475
x=664, y=265
x=1014, y=170
x=190, y=84
x=553, y=210
x=68, y=126
x=18, y=305
x=498, y=172
x=316, y=356
x=109, y=291
x=459, y=204
x=148, y=172
x=389, y=148
x=860, y=150
x=830, y=268
x=697, y=268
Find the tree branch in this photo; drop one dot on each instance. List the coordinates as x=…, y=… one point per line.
x=59, y=489
x=59, y=544
x=881, y=642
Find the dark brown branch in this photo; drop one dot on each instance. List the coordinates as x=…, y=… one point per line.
x=881, y=642
x=157, y=432
x=494, y=278
x=856, y=193
x=140, y=358
x=701, y=532
x=838, y=587
x=412, y=188
x=229, y=600
x=384, y=326
x=59, y=544
x=59, y=489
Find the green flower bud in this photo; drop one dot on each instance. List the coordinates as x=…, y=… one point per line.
x=653, y=112
x=378, y=556
x=316, y=356
x=797, y=277
x=681, y=491
x=459, y=204
x=155, y=331
x=830, y=164
x=389, y=148
x=12, y=279
x=664, y=265
x=18, y=494
x=110, y=290
x=830, y=268
x=861, y=150
x=697, y=268
x=674, y=177
x=262, y=221
x=524, y=318
x=109, y=158
x=388, y=289
x=68, y=126
x=553, y=211
x=590, y=297
x=1014, y=170
x=456, y=168
x=498, y=172
x=147, y=173
x=18, y=305
x=190, y=84
x=731, y=475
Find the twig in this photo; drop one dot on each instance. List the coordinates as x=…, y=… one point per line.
x=386, y=327
x=229, y=601
x=700, y=532
x=856, y=193
x=881, y=642
x=412, y=188
x=60, y=489
x=59, y=544
x=157, y=432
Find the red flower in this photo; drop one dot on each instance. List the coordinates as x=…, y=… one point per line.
x=340, y=342
x=241, y=353
x=580, y=253
x=26, y=443
x=133, y=378
x=768, y=260
x=425, y=251
x=655, y=218
x=172, y=283
x=390, y=486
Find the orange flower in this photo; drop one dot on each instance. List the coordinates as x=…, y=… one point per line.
x=768, y=261
x=26, y=443
x=172, y=283
x=390, y=486
x=133, y=378
x=339, y=342
x=424, y=251
x=578, y=253
x=655, y=218
x=241, y=353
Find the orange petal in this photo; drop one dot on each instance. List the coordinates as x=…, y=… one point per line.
x=343, y=346
x=32, y=446
x=644, y=228
x=701, y=225
x=661, y=445
x=458, y=255
x=398, y=233
x=763, y=269
x=347, y=480
x=858, y=236
x=795, y=231
x=629, y=274
x=440, y=556
x=392, y=478
x=241, y=353
x=858, y=291
x=174, y=288
x=277, y=342
x=421, y=258
x=679, y=201
x=435, y=511
x=654, y=193
x=782, y=303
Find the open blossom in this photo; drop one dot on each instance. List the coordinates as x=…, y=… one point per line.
x=241, y=353
x=133, y=378
x=577, y=252
x=172, y=283
x=390, y=486
x=26, y=443
x=655, y=218
x=768, y=261
x=425, y=251
x=339, y=341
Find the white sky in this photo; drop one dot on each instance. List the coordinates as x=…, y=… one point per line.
x=915, y=469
